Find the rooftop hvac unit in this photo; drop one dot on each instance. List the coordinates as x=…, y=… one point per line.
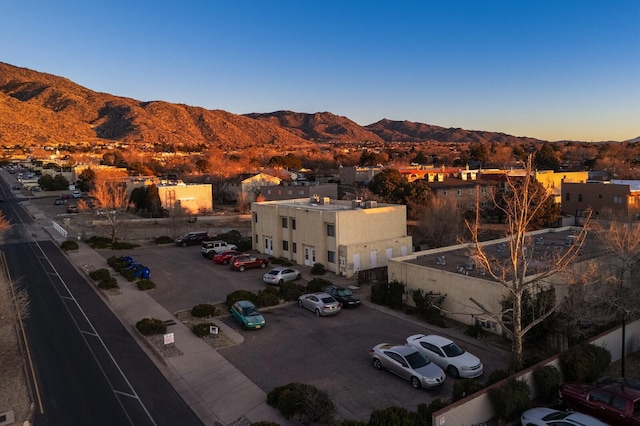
x=370, y=204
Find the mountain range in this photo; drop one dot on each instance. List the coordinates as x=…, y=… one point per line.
x=37, y=108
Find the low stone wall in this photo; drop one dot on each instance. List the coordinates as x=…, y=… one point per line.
x=477, y=408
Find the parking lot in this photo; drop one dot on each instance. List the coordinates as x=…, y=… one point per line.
x=331, y=353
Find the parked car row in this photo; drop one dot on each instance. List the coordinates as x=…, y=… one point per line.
x=423, y=360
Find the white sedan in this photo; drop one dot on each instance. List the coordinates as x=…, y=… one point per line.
x=447, y=355
x=543, y=416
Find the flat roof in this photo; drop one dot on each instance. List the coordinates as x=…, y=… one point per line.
x=332, y=205
x=547, y=245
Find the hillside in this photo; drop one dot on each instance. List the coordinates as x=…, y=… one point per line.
x=44, y=109
x=39, y=108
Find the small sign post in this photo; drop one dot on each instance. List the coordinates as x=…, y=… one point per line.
x=168, y=339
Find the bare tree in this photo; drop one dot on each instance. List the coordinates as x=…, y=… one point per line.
x=442, y=223
x=520, y=272
x=110, y=198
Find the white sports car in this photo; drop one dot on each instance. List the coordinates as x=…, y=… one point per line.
x=447, y=355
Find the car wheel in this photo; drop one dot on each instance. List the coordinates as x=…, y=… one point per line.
x=377, y=364
x=225, y=262
x=300, y=303
x=263, y=265
x=241, y=268
x=281, y=281
x=243, y=326
x=317, y=312
x=415, y=382
x=453, y=372
x=183, y=244
x=298, y=277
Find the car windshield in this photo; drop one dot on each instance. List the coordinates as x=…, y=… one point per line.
x=328, y=299
x=452, y=350
x=560, y=415
x=344, y=292
x=250, y=312
x=273, y=272
x=416, y=360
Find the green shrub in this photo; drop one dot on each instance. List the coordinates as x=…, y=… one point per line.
x=96, y=242
x=151, y=326
x=316, y=284
x=108, y=283
x=267, y=298
x=465, y=387
x=69, y=245
x=121, y=245
x=399, y=416
x=475, y=331
x=128, y=274
x=100, y=274
x=204, y=310
x=290, y=291
x=388, y=294
x=318, y=269
x=163, y=240
x=303, y=403
x=584, y=363
x=510, y=400
x=202, y=329
x=496, y=376
x=237, y=295
x=428, y=306
x=547, y=380
x=117, y=263
x=144, y=284
x=424, y=413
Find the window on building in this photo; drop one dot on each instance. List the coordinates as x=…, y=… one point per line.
x=293, y=223
x=567, y=196
x=617, y=200
x=285, y=222
x=459, y=191
x=331, y=256
x=472, y=191
x=444, y=192
x=470, y=206
x=257, y=239
x=484, y=190
x=285, y=245
x=579, y=197
x=331, y=230
x=294, y=247
x=255, y=217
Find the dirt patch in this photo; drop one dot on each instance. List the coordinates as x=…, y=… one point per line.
x=216, y=341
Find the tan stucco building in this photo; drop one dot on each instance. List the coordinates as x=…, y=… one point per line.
x=345, y=236
x=194, y=198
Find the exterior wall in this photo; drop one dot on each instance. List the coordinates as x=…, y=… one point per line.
x=354, y=175
x=459, y=288
x=553, y=181
x=578, y=197
x=370, y=233
x=477, y=407
x=247, y=189
x=194, y=198
x=280, y=192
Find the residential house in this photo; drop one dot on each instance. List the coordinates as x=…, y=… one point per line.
x=302, y=189
x=246, y=187
x=344, y=236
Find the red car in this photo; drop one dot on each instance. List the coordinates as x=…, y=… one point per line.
x=614, y=403
x=224, y=257
x=246, y=261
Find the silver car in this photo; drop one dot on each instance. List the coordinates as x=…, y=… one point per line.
x=322, y=304
x=447, y=355
x=407, y=363
x=280, y=275
x=543, y=416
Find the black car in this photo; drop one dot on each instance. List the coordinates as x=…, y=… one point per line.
x=192, y=238
x=343, y=295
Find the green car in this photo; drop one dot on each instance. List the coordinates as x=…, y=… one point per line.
x=247, y=315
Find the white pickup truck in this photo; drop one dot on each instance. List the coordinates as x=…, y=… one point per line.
x=210, y=248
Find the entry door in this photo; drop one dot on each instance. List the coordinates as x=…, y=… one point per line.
x=268, y=245
x=373, y=259
x=309, y=256
x=356, y=262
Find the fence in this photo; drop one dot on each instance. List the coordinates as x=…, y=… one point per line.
x=374, y=275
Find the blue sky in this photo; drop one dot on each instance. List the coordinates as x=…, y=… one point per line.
x=560, y=69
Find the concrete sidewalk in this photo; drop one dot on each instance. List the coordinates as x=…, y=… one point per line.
x=215, y=390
